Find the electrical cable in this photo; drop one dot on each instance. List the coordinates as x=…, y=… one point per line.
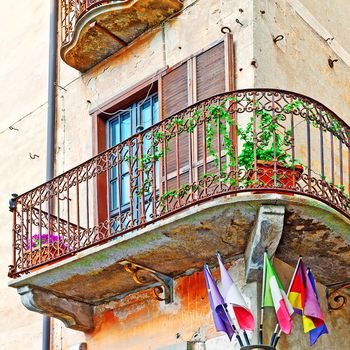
x=129, y=109
x=84, y=74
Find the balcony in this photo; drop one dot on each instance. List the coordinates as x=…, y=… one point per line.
x=186, y=187
x=92, y=30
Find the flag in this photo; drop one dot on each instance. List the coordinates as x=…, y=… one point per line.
x=304, y=301
x=322, y=329
x=297, y=292
x=232, y=296
x=312, y=314
x=221, y=321
x=274, y=296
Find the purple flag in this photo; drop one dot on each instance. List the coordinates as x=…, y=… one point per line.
x=312, y=310
x=317, y=332
x=221, y=320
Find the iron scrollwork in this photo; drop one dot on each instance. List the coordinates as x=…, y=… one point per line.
x=166, y=283
x=335, y=298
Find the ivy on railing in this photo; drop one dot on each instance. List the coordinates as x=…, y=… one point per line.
x=273, y=144
x=230, y=136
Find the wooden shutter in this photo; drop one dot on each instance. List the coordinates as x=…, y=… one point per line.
x=174, y=90
x=201, y=76
x=210, y=72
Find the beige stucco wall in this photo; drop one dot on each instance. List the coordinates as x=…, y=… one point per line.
x=300, y=61
x=334, y=20
x=23, y=96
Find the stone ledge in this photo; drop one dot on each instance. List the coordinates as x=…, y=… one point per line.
x=73, y=314
x=181, y=243
x=125, y=20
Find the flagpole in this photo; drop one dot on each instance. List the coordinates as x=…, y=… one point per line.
x=246, y=338
x=218, y=255
x=238, y=337
x=262, y=302
x=274, y=339
x=206, y=266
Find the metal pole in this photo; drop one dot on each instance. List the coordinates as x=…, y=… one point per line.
x=276, y=337
x=262, y=303
x=51, y=113
x=238, y=337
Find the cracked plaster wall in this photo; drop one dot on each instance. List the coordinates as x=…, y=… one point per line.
x=138, y=322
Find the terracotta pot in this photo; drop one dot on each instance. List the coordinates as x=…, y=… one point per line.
x=47, y=253
x=286, y=177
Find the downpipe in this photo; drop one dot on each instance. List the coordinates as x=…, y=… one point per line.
x=51, y=119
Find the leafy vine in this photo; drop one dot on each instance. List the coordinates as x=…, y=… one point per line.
x=270, y=145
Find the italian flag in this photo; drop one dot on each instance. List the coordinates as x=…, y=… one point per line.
x=274, y=296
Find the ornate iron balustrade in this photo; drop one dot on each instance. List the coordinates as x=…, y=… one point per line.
x=71, y=11
x=92, y=30
x=260, y=140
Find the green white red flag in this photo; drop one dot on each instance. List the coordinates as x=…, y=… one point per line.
x=274, y=296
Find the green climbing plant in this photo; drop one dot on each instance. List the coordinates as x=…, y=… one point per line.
x=273, y=142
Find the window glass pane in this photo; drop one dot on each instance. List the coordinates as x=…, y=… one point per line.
x=155, y=109
x=147, y=146
x=114, y=173
x=125, y=126
x=124, y=167
x=120, y=128
x=114, y=195
x=113, y=159
x=125, y=189
x=126, y=157
x=114, y=132
x=146, y=114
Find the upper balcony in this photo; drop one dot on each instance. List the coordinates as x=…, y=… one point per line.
x=170, y=196
x=92, y=30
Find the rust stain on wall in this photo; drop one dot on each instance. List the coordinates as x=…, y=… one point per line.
x=139, y=316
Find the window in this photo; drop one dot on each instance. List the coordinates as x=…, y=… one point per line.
x=137, y=117
x=206, y=73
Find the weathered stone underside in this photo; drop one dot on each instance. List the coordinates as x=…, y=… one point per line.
x=126, y=20
x=182, y=243
x=73, y=314
x=324, y=245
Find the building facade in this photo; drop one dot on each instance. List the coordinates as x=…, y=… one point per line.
x=182, y=128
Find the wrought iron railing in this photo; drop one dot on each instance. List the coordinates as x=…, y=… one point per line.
x=71, y=11
x=256, y=141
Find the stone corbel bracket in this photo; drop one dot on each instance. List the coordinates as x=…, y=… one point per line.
x=73, y=314
x=265, y=236
x=166, y=282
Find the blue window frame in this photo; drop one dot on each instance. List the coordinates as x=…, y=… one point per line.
x=140, y=115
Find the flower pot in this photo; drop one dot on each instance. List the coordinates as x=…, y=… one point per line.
x=32, y=257
x=286, y=177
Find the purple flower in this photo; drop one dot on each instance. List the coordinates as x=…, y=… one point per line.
x=45, y=239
